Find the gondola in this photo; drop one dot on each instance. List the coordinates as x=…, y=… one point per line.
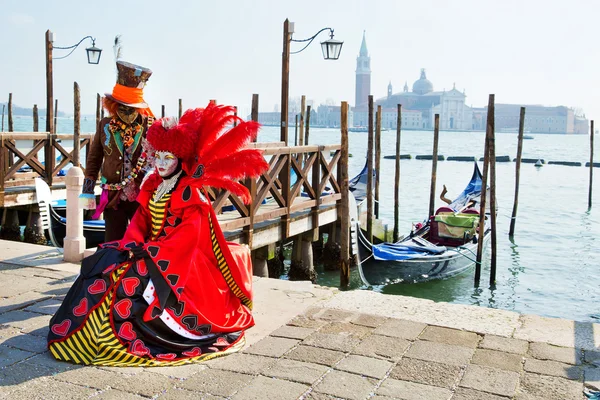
x=444, y=246
x=53, y=214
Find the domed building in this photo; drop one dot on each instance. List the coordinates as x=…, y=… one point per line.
x=422, y=85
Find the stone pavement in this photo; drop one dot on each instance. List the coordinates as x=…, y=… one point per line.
x=314, y=343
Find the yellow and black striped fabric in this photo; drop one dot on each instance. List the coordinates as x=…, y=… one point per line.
x=96, y=343
x=224, y=268
x=158, y=211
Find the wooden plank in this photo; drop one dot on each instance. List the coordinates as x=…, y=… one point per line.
x=343, y=206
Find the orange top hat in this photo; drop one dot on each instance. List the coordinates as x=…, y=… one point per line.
x=129, y=89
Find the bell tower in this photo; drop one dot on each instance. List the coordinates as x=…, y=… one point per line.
x=363, y=75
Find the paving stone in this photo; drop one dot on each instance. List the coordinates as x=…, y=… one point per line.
x=270, y=388
x=182, y=394
x=272, y=346
x=89, y=376
x=315, y=355
x=305, y=322
x=490, y=380
x=366, y=366
x=450, y=336
x=9, y=355
x=440, y=352
x=331, y=341
x=144, y=384
x=428, y=373
x=384, y=347
x=180, y=372
x=534, y=386
x=34, y=344
x=346, y=385
x=470, y=394
x=333, y=315
x=591, y=357
x=400, y=328
x=51, y=390
x=592, y=377
x=20, y=301
x=346, y=329
x=293, y=332
x=114, y=394
x=11, y=285
x=54, y=288
x=319, y=396
x=412, y=391
x=498, y=359
x=554, y=368
x=297, y=371
x=545, y=351
x=508, y=345
x=40, y=272
x=217, y=382
x=26, y=321
x=21, y=373
x=49, y=307
x=7, y=332
x=243, y=363
x=371, y=321
x=47, y=360
x=130, y=370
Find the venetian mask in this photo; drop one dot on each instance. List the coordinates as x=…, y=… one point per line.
x=127, y=114
x=166, y=163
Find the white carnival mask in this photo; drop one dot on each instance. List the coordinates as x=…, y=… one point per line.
x=165, y=162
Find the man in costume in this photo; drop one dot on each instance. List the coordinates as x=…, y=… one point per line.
x=116, y=151
x=172, y=291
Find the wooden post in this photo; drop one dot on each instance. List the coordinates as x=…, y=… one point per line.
x=302, y=107
x=10, y=113
x=434, y=159
x=591, y=163
x=370, y=174
x=285, y=82
x=213, y=101
x=377, y=160
x=343, y=210
x=254, y=112
x=482, y=203
x=180, y=108
x=397, y=176
x=307, y=125
x=76, y=124
x=296, y=132
x=162, y=111
x=98, y=109
x=49, y=88
x=513, y=219
x=492, y=150
x=36, y=120
x=3, y=107
x=55, y=115
x=235, y=114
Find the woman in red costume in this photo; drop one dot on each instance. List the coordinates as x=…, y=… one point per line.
x=173, y=291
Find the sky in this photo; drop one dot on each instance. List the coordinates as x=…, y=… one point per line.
x=524, y=51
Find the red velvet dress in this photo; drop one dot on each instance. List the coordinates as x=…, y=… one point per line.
x=186, y=298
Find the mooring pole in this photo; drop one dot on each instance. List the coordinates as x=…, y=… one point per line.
x=10, y=113
x=76, y=124
x=302, y=110
x=254, y=112
x=162, y=111
x=377, y=160
x=486, y=159
x=98, y=108
x=307, y=125
x=344, y=206
x=36, y=119
x=591, y=163
x=296, y=132
x=434, y=159
x=180, y=108
x=370, y=174
x=397, y=176
x=513, y=219
x=492, y=162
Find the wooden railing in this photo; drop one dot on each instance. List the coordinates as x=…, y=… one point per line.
x=12, y=159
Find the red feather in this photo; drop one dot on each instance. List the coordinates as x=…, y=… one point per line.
x=234, y=187
x=230, y=142
x=242, y=164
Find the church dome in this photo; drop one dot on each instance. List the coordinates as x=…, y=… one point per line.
x=422, y=85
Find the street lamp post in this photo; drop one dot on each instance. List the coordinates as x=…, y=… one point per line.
x=93, y=56
x=331, y=51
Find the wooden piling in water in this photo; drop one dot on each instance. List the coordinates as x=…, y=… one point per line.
x=591, y=163
x=397, y=176
x=434, y=160
x=377, y=160
x=492, y=162
x=254, y=112
x=180, y=108
x=482, y=203
x=162, y=111
x=343, y=210
x=36, y=119
x=76, y=124
x=513, y=219
x=10, y=113
x=370, y=174
x=296, y=131
x=235, y=114
x=307, y=125
x=98, y=110
x=302, y=110
x=3, y=108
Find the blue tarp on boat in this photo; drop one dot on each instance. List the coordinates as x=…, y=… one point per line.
x=404, y=250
